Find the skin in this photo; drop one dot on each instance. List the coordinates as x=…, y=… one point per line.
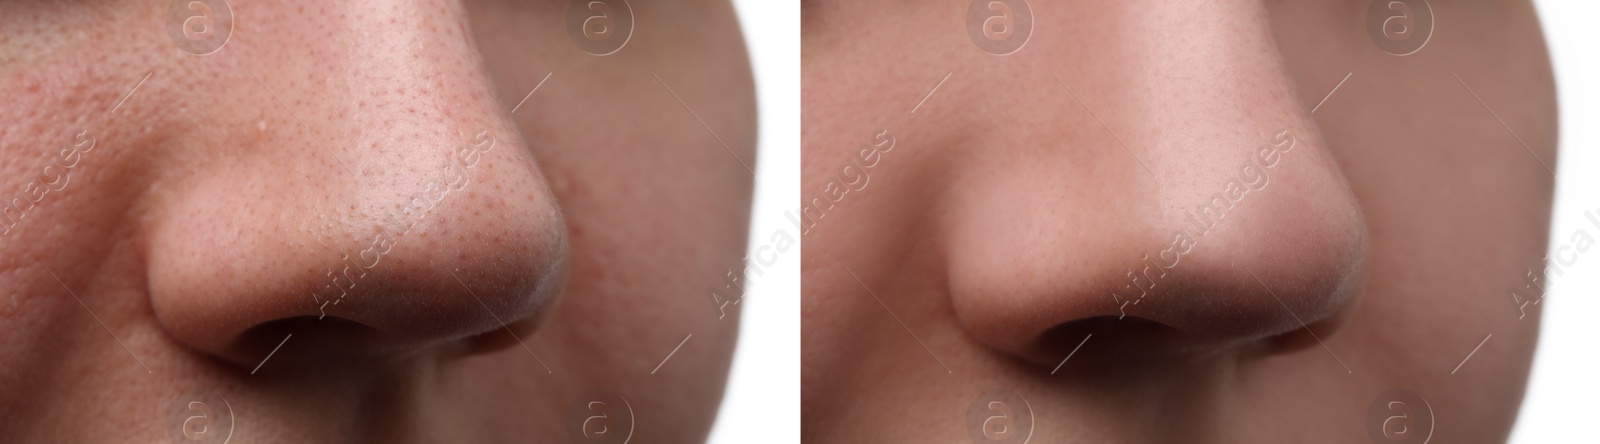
x=202, y=223
x=1005, y=215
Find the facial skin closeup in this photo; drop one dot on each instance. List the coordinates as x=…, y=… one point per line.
x=1172, y=221
x=272, y=221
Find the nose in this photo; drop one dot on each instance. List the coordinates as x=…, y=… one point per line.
x=381, y=201
x=1187, y=208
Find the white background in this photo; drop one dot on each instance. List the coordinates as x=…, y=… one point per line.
x=762, y=404
x=1561, y=404
x=763, y=399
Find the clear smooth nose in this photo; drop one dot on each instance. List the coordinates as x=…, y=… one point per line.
x=1204, y=213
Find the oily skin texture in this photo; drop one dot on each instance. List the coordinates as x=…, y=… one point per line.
x=1004, y=217
x=213, y=202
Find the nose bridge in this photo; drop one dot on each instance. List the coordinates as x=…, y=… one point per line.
x=415, y=83
x=415, y=122
x=1221, y=116
x=413, y=119
x=1221, y=87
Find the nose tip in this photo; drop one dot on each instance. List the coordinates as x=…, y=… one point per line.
x=461, y=244
x=1199, y=311
x=486, y=259
x=1225, y=270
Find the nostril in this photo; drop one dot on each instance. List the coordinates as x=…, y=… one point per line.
x=1109, y=348
x=1125, y=347
x=301, y=338
x=326, y=333
x=309, y=348
x=1125, y=336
